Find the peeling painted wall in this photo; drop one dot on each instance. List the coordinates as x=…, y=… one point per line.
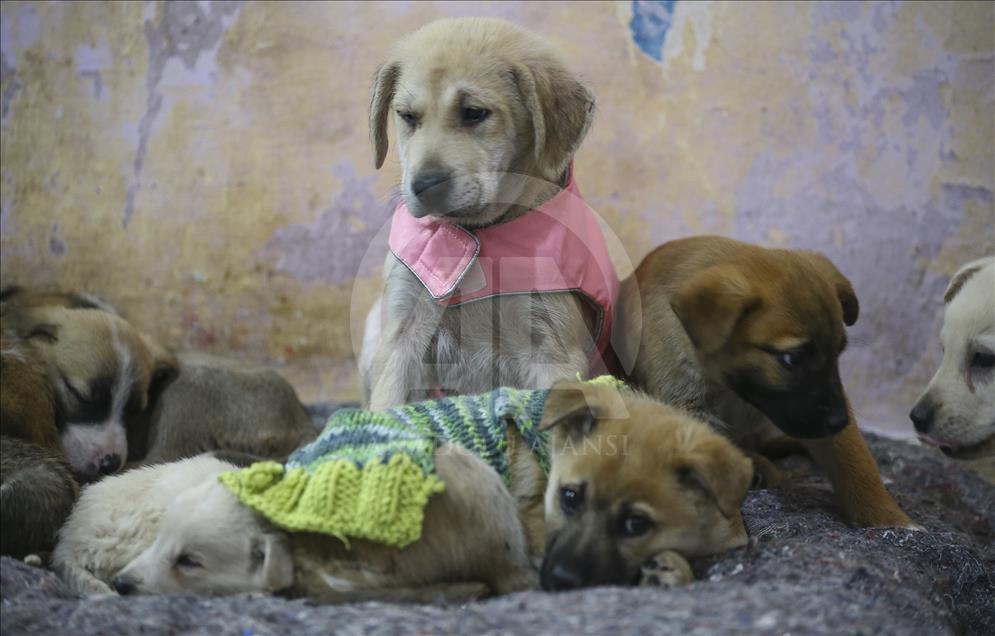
x=205, y=166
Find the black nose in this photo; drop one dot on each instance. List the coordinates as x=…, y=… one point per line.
x=434, y=184
x=922, y=416
x=838, y=420
x=123, y=585
x=109, y=464
x=562, y=577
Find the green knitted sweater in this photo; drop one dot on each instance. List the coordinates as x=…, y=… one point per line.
x=370, y=474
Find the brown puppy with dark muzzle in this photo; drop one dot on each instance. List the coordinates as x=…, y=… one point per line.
x=749, y=337
x=635, y=488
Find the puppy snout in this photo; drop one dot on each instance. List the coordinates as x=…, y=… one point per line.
x=109, y=464
x=562, y=577
x=922, y=416
x=431, y=185
x=123, y=585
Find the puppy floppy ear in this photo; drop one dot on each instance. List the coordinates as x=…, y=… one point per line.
x=844, y=290
x=963, y=275
x=716, y=471
x=567, y=408
x=712, y=303
x=276, y=568
x=562, y=109
x=383, y=94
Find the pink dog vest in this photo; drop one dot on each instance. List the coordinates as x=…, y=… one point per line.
x=558, y=247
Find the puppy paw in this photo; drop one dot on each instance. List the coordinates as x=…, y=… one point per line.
x=667, y=570
x=765, y=473
x=33, y=560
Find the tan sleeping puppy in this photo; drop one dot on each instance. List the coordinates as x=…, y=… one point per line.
x=487, y=120
x=957, y=410
x=194, y=403
x=631, y=480
x=750, y=338
x=103, y=371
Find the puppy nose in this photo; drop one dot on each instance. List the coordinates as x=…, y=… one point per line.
x=110, y=464
x=922, y=416
x=430, y=183
x=838, y=420
x=562, y=577
x=123, y=585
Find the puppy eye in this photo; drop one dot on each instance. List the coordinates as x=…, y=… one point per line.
x=635, y=525
x=571, y=500
x=983, y=360
x=473, y=116
x=790, y=359
x=187, y=561
x=409, y=118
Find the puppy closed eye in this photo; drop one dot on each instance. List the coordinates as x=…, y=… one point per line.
x=81, y=396
x=187, y=561
x=409, y=118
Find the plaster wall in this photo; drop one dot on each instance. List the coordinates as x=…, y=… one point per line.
x=205, y=166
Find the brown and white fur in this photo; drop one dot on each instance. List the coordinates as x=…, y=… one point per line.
x=631, y=455
x=957, y=410
x=489, y=117
x=750, y=338
x=102, y=371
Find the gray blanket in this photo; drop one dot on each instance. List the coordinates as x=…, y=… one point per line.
x=803, y=572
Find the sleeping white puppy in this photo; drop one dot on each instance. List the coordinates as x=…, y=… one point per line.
x=117, y=518
x=957, y=410
x=209, y=543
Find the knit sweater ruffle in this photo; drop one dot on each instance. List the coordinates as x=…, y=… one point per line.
x=370, y=474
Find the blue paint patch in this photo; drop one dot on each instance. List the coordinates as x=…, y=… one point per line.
x=651, y=19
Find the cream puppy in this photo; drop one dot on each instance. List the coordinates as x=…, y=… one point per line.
x=487, y=120
x=957, y=410
x=117, y=518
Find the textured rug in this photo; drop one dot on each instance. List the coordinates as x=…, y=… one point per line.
x=803, y=573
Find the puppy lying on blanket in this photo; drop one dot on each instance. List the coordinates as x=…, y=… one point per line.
x=116, y=518
x=456, y=490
